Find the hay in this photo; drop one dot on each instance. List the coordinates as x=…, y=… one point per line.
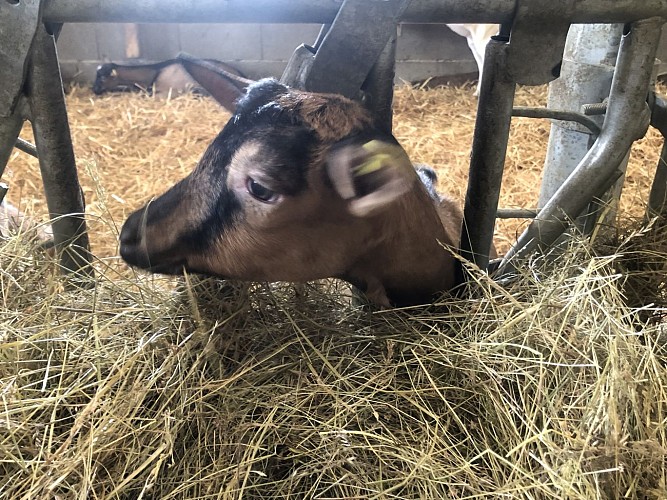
x=546, y=389
x=148, y=387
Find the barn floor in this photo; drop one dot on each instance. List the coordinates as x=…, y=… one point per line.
x=551, y=386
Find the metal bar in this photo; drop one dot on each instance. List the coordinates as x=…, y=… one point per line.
x=10, y=128
x=26, y=147
x=260, y=11
x=324, y=11
x=554, y=114
x=3, y=191
x=626, y=121
x=487, y=161
x=516, y=213
x=379, y=86
x=18, y=24
x=56, y=156
x=657, y=200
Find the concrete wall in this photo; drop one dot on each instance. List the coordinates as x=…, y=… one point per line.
x=259, y=50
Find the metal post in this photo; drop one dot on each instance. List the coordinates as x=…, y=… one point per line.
x=10, y=128
x=56, y=156
x=379, y=86
x=496, y=96
x=657, y=201
x=626, y=121
x=588, y=67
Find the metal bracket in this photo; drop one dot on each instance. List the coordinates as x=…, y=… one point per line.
x=538, y=39
x=18, y=26
x=299, y=66
x=348, y=51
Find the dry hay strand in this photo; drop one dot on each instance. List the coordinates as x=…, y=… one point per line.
x=549, y=388
x=131, y=147
x=642, y=249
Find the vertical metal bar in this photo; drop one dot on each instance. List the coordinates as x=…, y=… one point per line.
x=657, y=201
x=496, y=96
x=379, y=86
x=56, y=156
x=10, y=128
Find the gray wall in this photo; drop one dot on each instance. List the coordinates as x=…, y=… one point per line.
x=259, y=50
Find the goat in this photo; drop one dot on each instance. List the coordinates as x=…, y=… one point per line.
x=478, y=36
x=160, y=77
x=300, y=186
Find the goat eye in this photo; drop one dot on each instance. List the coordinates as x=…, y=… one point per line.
x=260, y=192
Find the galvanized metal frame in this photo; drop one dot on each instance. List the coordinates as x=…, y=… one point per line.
x=627, y=120
x=487, y=161
x=48, y=115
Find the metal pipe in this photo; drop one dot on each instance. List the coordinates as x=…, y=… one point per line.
x=26, y=147
x=657, y=200
x=324, y=11
x=516, y=213
x=379, y=85
x=587, y=70
x=487, y=161
x=626, y=121
x=10, y=128
x=3, y=191
x=56, y=156
x=261, y=11
x=555, y=114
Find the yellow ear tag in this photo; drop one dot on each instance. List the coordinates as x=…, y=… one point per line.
x=379, y=156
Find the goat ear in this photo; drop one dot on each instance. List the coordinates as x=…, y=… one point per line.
x=224, y=87
x=370, y=175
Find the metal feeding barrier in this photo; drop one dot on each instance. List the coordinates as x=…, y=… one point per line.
x=355, y=56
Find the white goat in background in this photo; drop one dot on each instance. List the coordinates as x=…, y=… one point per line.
x=477, y=35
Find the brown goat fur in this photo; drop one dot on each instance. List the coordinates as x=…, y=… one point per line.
x=301, y=186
